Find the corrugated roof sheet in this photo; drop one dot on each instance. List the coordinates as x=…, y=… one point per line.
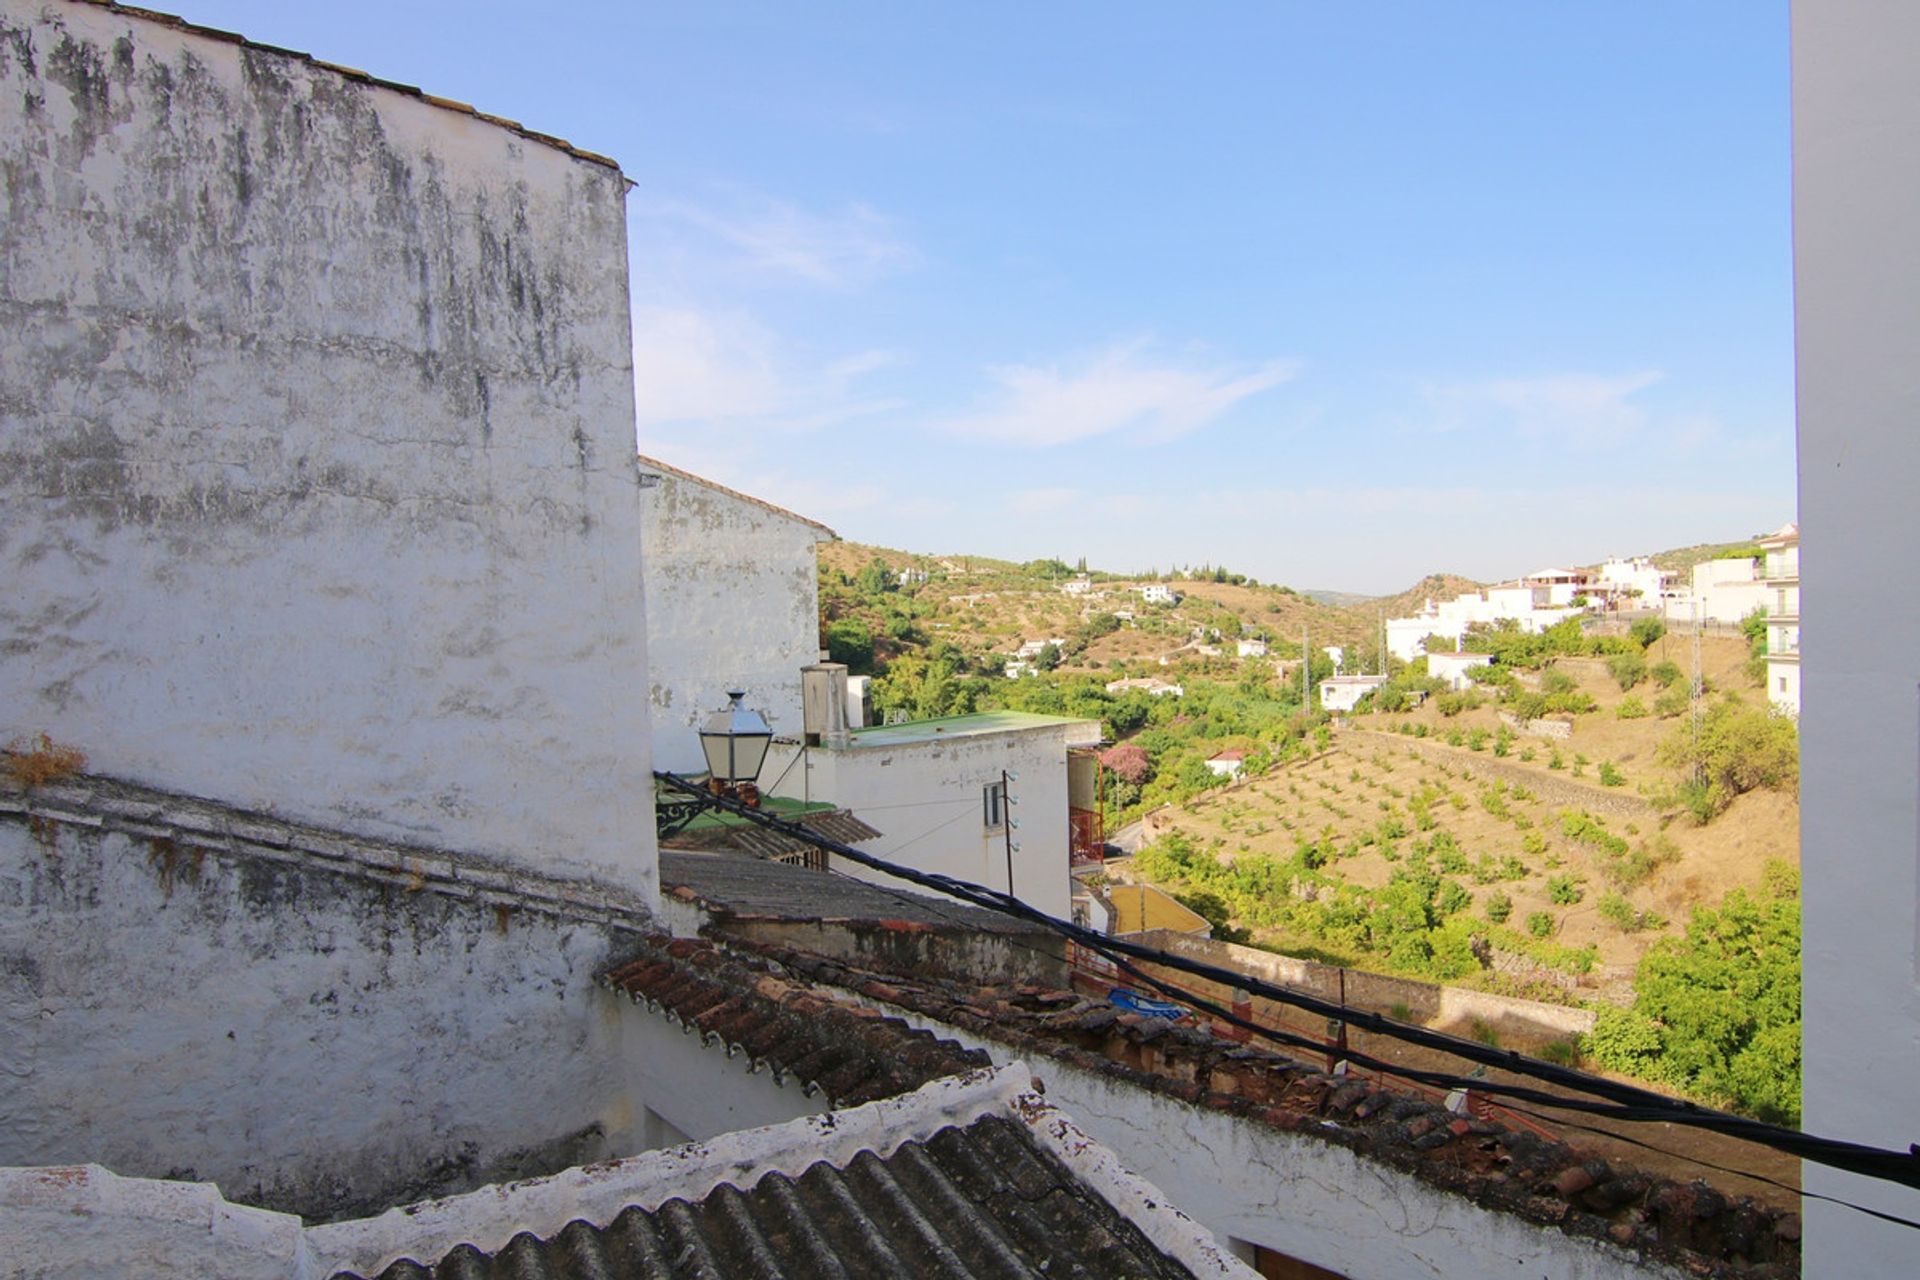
x=979, y=1200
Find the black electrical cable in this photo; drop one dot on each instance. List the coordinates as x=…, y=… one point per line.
x=1624, y=1102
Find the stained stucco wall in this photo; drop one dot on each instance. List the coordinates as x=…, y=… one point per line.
x=326, y=1041
x=733, y=602
x=1856, y=216
x=925, y=798
x=316, y=422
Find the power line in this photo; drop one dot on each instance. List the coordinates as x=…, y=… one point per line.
x=1622, y=1101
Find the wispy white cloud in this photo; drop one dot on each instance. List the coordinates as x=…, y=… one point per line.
x=776, y=238
x=719, y=368
x=1124, y=389
x=1580, y=408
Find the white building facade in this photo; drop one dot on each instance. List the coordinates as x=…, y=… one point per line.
x=1783, y=617
x=733, y=594
x=1856, y=217
x=944, y=793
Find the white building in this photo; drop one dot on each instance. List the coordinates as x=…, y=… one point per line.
x=1343, y=693
x=1719, y=591
x=1152, y=685
x=1157, y=593
x=1856, y=218
x=1562, y=586
x=1228, y=763
x=733, y=602
x=1034, y=648
x=1634, y=583
x=1528, y=605
x=1783, y=617
x=398, y=589
x=935, y=787
x=1080, y=586
x=1453, y=667
x=1253, y=648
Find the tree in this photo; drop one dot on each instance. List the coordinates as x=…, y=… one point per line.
x=1738, y=748
x=1129, y=762
x=849, y=640
x=875, y=579
x=1717, y=1013
x=1646, y=631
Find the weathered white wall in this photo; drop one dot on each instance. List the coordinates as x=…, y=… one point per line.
x=308, y=1040
x=316, y=422
x=319, y=1040
x=1856, y=215
x=925, y=797
x=733, y=602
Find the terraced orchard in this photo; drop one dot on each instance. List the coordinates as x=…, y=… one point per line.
x=1415, y=857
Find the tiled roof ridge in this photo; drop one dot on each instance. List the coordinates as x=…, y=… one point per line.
x=1541, y=1180
x=181, y=828
x=717, y=487
x=840, y=1047
x=413, y=91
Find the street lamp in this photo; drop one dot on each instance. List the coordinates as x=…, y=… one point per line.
x=735, y=741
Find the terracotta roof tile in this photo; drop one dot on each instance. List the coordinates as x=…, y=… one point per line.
x=830, y=1044
x=1509, y=1169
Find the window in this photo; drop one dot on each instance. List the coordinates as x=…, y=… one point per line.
x=1783, y=684
x=993, y=805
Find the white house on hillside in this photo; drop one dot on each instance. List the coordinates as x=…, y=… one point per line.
x=1722, y=591
x=1783, y=617
x=1453, y=667
x=1635, y=583
x=1529, y=605
x=1343, y=693
x=1158, y=593
x=733, y=602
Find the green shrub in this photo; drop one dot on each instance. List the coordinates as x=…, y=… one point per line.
x=1631, y=708
x=1534, y=843
x=1527, y=754
x=1738, y=748
x=1629, y=669
x=1564, y=891
x=1647, y=630
x=1484, y=1034
x=1615, y=908
x=1666, y=674
x=1557, y=682
x=1674, y=702
x=1610, y=776
x=1540, y=924
x=1554, y=761
x=1455, y=737
x=1498, y=907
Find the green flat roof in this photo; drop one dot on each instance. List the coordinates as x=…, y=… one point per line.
x=779, y=806
x=980, y=722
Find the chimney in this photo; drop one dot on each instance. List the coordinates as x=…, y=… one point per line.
x=823, y=702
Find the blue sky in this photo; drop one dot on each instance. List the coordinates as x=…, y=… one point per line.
x=1332, y=294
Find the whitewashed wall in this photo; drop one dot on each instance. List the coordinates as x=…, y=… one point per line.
x=925, y=797
x=733, y=602
x=316, y=423
x=1856, y=216
x=320, y=1040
